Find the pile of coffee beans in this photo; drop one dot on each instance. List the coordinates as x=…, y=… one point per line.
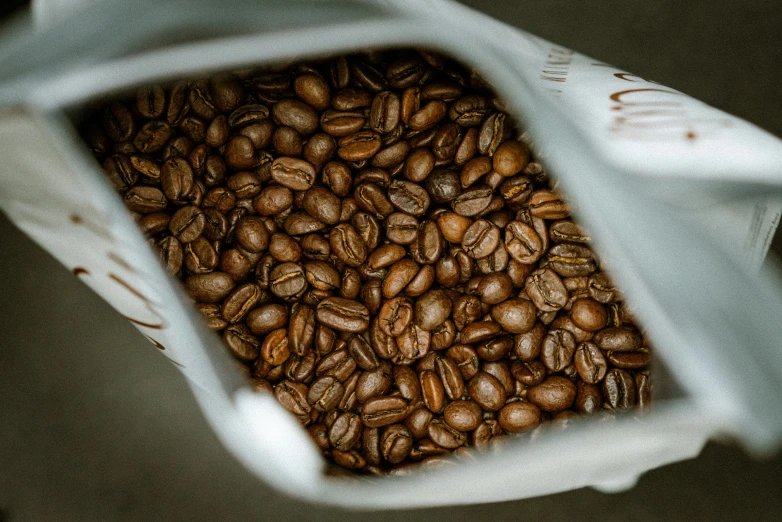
x=373, y=241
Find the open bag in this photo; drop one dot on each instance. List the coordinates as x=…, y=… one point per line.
x=682, y=197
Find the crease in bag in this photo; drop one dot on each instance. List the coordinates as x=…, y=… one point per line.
x=649, y=169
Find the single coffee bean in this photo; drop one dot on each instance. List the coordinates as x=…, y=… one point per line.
x=481, y=239
x=209, y=288
x=487, y=391
x=293, y=113
x=266, y=318
x=636, y=360
x=590, y=363
x=344, y=315
x=373, y=383
x=516, y=417
x=382, y=411
x=546, y=290
x=523, y=243
x=396, y=443
x=414, y=342
x=275, y=349
x=432, y=391
x=241, y=342
x=495, y=349
x=301, y=328
x=618, y=339
x=324, y=393
x=570, y=260
x=294, y=173
x=619, y=389
x=588, y=314
x=558, y=349
x=472, y=201
x=527, y=346
x=322, y=204
x=554, y=394
x=510, y=158
x=528, y=373
x=293, y=396
x=589, y=398
x=432, y=309
x=494, y=288
x=287, y=280
x=395, y=315
x=345, y=432
x=450, y=377
x=547, y=204
x=463, y=415
x=348, y=245
x=515, y=315
x=401, y=228
x=444, y=435
x=240, y=302
x=408, y=197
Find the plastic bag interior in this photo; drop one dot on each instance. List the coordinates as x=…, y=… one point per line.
x=700, y=305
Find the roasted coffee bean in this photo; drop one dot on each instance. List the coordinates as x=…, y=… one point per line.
x=588, y=314
x=487, y=391
x=516, y=417
x=293, y=113
x=293, y=396
x=294, y=173
x=554, y=394
x=395, y=315
x=344, y=315
x=510, y=158
x=558, y=349
x=569, y=260
x=481, y=239
x=546, y=290
x=523, y=243
x=276, y=347
x=494, y=288
x=408, y=197
x=463, y=415
x=345, y=432
x=619, y=389
x=450, y=377
x=629, y=360
x=287, y=280
x=432, y=391
x=618, y=339
x=348, y=245
x=495, y=349
x=301, y=328
x=382, y=411
x=444, y=435
x=322, y=204
x=515, y=315
x=472, y=201
x=528, y=373
x=527, y=346
x=396, y=443
x=548, y=205
x=373, y=383
x=324, y=393
x=590, y=363
x=589, y=398
x=414, y=342
x=241, y=342
x=401, y=228
x=432, y=309
x=209, y=288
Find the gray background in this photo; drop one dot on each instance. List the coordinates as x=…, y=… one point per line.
x=95, y=425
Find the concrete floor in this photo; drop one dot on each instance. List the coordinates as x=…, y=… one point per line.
x=95, y=425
